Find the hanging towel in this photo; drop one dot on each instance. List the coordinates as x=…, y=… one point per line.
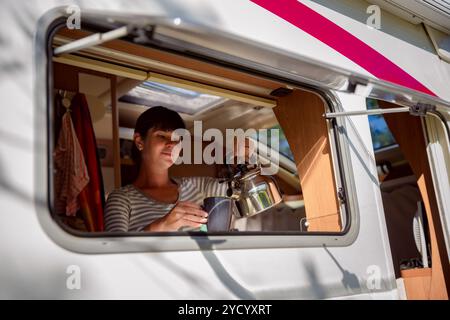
x=71, y=175
x=91, y=198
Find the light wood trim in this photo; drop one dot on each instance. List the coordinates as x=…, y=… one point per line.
x=180, y=61
x=145, y=63
x=116, y=138
x=417, y=283
x=418, y=272
x=127, y=162
x=288, y=178
x=160, y=78
x=300, y=116
x=292, y=197
x=100, y=66
x=408, y=132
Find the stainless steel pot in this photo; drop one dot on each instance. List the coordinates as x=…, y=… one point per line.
x=254, y=193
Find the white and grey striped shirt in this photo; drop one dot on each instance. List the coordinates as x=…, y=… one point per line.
x=129, y=209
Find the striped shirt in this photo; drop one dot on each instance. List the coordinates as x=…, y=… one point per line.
x=129, y=209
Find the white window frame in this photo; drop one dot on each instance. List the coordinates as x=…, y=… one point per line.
x=145, y=242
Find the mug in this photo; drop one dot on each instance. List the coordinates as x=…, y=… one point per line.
x=219, y=211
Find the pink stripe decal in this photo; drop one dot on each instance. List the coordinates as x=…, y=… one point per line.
x=342, y=41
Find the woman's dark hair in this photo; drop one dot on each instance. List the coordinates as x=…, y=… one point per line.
x=159, y=118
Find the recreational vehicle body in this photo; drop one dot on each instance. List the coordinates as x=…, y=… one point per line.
x=316, y=69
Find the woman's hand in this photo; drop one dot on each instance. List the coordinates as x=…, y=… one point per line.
x=184, y=214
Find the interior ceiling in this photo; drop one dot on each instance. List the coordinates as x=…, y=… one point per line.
x=229, y=114
x=153, y=60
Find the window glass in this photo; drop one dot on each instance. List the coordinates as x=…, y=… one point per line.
x=381, y=136
x=283, y=144
x=182, y=100
x=111, y=157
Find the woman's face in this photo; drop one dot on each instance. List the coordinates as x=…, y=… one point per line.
x=158, y=148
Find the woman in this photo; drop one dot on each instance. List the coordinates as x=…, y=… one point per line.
x=155, y=201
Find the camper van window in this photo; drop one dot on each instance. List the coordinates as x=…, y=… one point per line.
x=188, y=147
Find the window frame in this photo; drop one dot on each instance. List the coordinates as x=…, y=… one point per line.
x=437, y=135
x=105, y=242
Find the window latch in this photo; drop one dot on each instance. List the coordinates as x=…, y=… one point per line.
x=93, y=40
x=419, y=109
x=341, y=195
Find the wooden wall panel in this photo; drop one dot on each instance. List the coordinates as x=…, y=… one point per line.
x=116, y=138
x=408, y=132
x=300, y=114
x=65, y=77
x=177, y=60
x=417, y=283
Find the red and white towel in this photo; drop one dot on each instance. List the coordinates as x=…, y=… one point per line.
x=71, y=172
